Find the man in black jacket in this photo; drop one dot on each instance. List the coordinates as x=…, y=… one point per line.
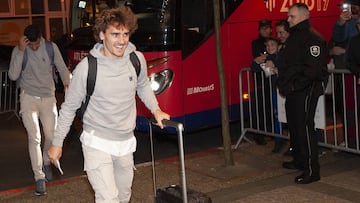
x=302, y=70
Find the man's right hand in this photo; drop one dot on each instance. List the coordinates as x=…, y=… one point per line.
x=344, y=17
x=54, y=153
x=260, y=59
x=23, y=42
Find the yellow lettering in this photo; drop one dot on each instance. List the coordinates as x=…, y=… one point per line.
x=310, y=4
x=284, y=7
x=320, y=5
x=325, y=5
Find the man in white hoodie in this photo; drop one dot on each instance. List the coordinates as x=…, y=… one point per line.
x=108, y=141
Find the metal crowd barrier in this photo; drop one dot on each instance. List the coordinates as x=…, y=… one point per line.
x=8, y=95
x=340, y=110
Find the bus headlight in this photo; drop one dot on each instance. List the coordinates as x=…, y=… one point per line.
x=161, y=80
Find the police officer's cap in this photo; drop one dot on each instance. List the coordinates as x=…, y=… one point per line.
x=264, y=23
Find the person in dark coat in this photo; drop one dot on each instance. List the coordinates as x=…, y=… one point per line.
x=302, y=70
x=259, y=56
x=265, y=31
x=282, y=32
x=353, y=54
x=344, y=30
x=353, y=63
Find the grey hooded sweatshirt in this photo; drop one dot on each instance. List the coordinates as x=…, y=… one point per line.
x=111, y=113
x=37, y=77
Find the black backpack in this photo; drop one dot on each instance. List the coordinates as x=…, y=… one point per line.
x=91, y=79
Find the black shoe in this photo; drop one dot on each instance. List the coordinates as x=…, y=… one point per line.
x=40, y=187
x=288, y=152
x=277, y=147
x=292, y=165
x=48, y=172
x=306, y=179
x=259, y=140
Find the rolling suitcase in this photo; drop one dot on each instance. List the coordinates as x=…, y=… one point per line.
x=175, y=193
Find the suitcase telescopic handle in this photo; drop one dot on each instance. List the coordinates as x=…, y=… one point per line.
x=179, y=126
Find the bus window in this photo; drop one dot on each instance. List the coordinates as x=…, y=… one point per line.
x=158, y=28
x=198, y=20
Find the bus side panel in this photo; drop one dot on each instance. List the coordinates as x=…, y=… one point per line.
x=201, y=84
x=238, y=53
x=236, y=46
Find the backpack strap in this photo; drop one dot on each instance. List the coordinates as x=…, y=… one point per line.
x=25, y=58
x=135, y=62
x=90, y=84
x=50, y=51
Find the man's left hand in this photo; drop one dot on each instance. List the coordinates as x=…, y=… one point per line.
x=159, y=116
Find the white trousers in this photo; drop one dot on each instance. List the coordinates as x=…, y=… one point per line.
x=32, y=110
x=110, y=176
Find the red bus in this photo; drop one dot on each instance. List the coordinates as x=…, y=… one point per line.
x=177, y=39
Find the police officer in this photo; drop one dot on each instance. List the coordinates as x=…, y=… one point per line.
x=302, y=70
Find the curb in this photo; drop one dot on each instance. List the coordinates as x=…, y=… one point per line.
x=48, y=184
x=145, y=164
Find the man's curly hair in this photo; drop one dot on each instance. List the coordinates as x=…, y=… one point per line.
x=120, y=16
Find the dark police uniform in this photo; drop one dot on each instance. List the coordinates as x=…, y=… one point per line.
x=302, y=72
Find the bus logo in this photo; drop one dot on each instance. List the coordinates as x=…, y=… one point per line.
x=270, y=4
x=195, y=90
x=318, y=5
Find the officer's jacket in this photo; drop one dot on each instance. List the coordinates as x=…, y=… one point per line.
x=302, y=63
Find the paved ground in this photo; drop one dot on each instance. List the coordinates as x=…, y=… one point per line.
x=255, y=177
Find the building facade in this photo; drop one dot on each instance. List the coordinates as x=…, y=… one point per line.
x=52, y=16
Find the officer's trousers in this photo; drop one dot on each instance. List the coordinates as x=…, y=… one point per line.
x=300, y=109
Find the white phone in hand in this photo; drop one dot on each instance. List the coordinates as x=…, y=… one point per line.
x=59, y=167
